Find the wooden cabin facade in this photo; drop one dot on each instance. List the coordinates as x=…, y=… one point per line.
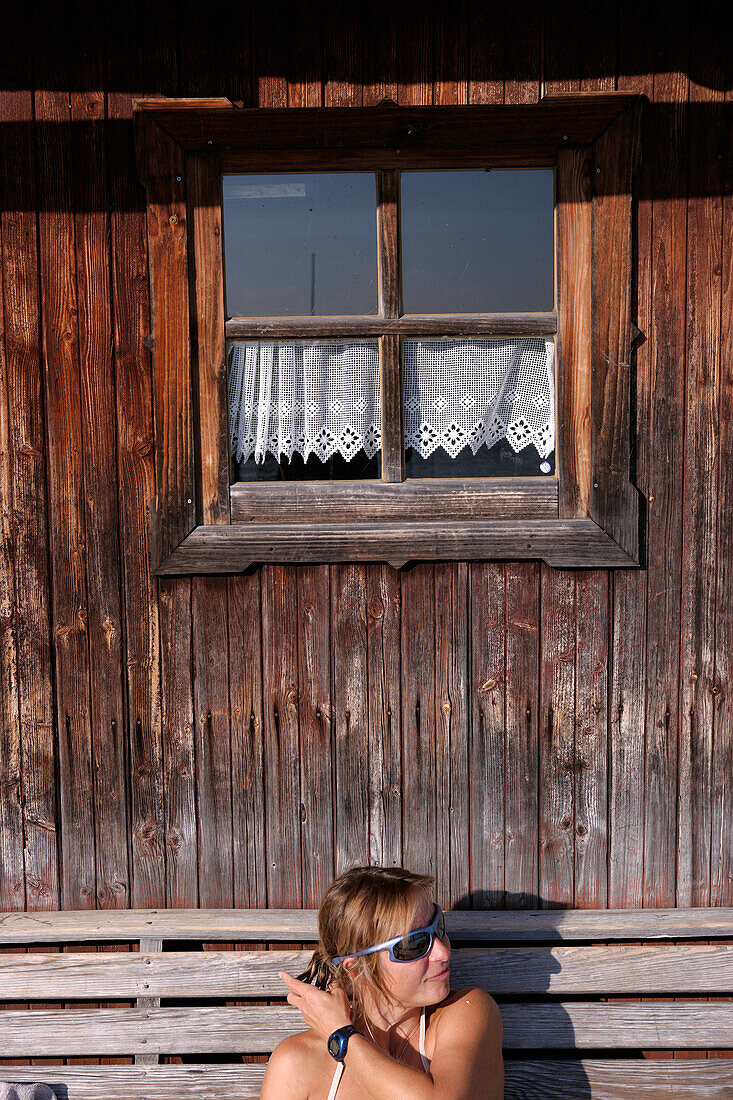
x=532, y=735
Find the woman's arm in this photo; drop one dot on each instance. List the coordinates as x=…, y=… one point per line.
x=286, y=1068
x=466, y=1063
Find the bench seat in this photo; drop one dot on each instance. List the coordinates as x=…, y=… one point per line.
x=551, y=971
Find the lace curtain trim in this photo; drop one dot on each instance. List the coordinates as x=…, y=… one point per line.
x=323, y=398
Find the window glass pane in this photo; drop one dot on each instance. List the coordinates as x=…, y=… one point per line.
x=479, y=407
x=301, y=410
x=478, y=241
x=296, y=245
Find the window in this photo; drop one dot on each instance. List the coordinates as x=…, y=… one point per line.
x=426, y=315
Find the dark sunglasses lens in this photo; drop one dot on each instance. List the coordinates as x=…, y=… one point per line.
x=412, y=947
x=440, y=927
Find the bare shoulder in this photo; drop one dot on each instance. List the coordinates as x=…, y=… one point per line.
x=290, y=1065
x=471, y=1009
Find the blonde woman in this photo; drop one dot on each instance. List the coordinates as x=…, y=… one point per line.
x=383, y=1021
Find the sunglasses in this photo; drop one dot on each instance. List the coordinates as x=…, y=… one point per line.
x=408, y=948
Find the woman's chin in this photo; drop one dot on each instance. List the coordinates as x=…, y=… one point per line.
x=438, y=987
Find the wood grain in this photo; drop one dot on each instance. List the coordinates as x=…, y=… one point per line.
x=618, y=969
x=442, y=324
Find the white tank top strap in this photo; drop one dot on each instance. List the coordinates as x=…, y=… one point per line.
x=423, y=1056
x=338, y=1073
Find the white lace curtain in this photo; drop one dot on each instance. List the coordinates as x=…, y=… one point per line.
x=323, y=398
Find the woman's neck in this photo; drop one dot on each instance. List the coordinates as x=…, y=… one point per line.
x=390, y=1024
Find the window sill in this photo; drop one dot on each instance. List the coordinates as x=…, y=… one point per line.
x=232, y=548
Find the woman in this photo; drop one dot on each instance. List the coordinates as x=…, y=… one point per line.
x=383, y=1022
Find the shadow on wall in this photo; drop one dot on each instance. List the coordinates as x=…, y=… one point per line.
x=537, y=964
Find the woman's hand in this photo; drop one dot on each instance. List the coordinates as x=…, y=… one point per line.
x=324, y=1011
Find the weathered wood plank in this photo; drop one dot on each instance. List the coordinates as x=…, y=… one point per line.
x=627, y=703
x=419, y=778
x=539, y=154
x=383, y=618
x=591, y=1079
x=590, y=794
x=557, y=738
x=504, y=498
x=613, y=499
x=702, y=458
x=314, y=712
x=486, y=753
x=391, y=409
x=161, y=166
x=350, y=715
x=617, y=969
x=62, y=394
x=245, y=700
x=284, y=925
x=280, y=735
x=179, y=754
x=522, y=716
x=101, y=520
x=212, y=743
x=28, y=473
x=721, y=871
x=231, y=549
x=443, y=324
x=257, y=1030
x=452, y=718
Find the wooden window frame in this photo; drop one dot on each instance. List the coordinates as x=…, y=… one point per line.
x=587, y=516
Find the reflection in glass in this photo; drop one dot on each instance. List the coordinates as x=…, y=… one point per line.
x=479, y=407
x=478, y=241
x=299, y=245
x=304, y=409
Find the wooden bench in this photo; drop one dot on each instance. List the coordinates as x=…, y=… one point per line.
x=549, y=970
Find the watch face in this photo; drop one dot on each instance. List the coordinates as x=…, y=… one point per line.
x=334, y=1046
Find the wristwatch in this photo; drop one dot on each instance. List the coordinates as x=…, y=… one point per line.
x=338, y=1042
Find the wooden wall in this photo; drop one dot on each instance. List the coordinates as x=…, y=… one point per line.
x=530, y=736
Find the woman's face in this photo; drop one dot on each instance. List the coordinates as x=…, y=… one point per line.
x=425, y=981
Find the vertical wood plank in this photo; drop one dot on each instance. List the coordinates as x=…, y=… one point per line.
x=452, y=679
x=486, y=752
x=350, y=715
x=148, y=71
x=379, y=30
x=12, y=870
x=245, y=693
x=391, y=408
x=314, y=708
x=179, y=755
x=486, y=55
x=212, y=741
x=628, y=688
x=281, y=746
x=521, y=737
x=66, y=464
x=162, y=168
x=557, y=739
x=383, y=602
x=27, y=470
x=721, y=876
x=665, y=473
x=451, y=55
x=101, y=521
x=203, y=193
x=419, y=780
x=343, y=57
x=304, y=29
x=701, y=473
x=591, y=740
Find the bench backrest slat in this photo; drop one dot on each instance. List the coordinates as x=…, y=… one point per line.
x=614, y=969
x=300, y=926
x=257, y=1030
x=610, y=1079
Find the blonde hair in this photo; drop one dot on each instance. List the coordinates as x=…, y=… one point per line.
x=362, y=907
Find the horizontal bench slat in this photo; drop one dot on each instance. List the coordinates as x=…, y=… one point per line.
x=294, y=925
x=661, y=968
x=257, y=1030
x=572, y=1080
